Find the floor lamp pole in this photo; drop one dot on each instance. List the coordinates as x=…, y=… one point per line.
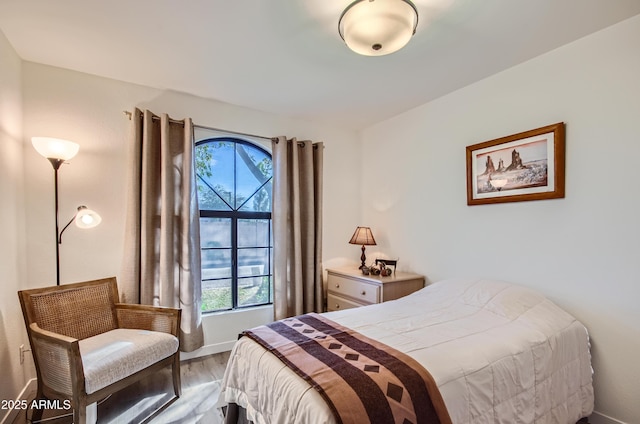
x=56, y=165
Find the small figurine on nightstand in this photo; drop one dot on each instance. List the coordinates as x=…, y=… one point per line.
x=380, y=268
x=384, y=267
x=387, y=263
x=384, y=271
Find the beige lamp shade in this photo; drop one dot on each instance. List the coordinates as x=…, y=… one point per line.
x=378, y=27
x=363, y=236
x=55, y=148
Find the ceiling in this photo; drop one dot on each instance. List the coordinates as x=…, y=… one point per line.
x=286, y=57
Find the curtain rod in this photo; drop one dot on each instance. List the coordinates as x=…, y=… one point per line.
x=232, y=132
x=130, y=114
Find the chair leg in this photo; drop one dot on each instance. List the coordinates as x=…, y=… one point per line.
x=80, y=413
x=175, y=371
x=36, y=413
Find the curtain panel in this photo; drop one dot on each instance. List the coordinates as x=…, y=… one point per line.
x=161, y=264
x=297, y=227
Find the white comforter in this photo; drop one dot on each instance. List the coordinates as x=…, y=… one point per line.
x=499, y=353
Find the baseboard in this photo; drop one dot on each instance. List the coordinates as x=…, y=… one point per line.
x=27, y=393
x=598, y=418
x=207, y=350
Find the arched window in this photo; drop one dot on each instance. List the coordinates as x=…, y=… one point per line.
x=234, y=180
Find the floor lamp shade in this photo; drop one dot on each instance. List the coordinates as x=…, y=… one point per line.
x=55, y=148
x=87, y=218
x=84, y=218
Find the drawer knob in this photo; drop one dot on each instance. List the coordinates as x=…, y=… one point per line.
x=363, y=292
x=337, y=285
x=337, y=306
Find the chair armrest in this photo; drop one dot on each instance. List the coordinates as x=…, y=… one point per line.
x=145, y=317
x=43, y=334
x=59, y=361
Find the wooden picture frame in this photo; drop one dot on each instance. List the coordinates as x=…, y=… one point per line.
x=519, y=167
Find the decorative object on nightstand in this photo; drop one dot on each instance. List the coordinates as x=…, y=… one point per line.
x=58, y=151
x=387, y=263
x=384, y=271
x=364, y=237
x=348, y=288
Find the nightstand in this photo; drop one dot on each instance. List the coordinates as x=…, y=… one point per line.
x=349, y=288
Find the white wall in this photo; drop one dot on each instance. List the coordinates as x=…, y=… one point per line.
x=89, y=110
x=12, y=258
x=583, y=251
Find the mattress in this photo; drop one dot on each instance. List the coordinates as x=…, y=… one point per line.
x=499, y=353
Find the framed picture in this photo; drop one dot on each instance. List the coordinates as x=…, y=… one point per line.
x=524, y=166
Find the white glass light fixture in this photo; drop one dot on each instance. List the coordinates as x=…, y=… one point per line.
x=55, y=148
x=378, y=27
x=57, y=151
x=84, y=218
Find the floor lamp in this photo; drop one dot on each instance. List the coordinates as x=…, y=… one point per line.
x=58, y=151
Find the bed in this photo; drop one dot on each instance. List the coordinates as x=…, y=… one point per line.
x=498, y=352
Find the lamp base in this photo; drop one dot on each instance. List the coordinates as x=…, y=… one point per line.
x=363, y=258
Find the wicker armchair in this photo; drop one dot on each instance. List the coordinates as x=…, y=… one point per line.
x=86, y=345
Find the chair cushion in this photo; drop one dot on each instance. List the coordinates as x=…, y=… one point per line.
x=116, y=354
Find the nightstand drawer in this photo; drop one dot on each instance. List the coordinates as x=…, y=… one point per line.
x=335, y=303
x=359, y=290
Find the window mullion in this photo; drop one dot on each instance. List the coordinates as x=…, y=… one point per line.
x=234, y=261
x=270, y=273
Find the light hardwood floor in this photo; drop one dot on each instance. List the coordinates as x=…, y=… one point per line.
x=133, y=404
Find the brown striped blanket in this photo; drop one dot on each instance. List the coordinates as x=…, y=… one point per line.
x=357, y=376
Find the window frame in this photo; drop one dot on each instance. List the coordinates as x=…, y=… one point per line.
x=235, y=215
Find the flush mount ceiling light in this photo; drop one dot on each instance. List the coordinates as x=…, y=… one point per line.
x=378, y=27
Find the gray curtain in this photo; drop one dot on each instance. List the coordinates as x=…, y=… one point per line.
x=297, y=227
x=161, y=265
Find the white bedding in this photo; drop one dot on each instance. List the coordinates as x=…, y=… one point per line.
x=499, y=353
